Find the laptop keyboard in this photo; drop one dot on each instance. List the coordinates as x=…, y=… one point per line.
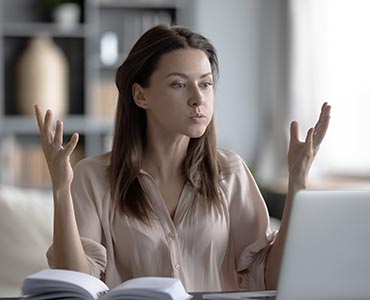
x=260, y=297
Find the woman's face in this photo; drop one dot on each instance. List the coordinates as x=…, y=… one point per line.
x=180, y=94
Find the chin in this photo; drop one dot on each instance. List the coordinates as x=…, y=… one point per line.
x=197, y=133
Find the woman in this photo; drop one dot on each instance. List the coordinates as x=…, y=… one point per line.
x=165, y=201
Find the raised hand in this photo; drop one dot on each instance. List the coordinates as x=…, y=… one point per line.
x=57, y=156
x=301, y=154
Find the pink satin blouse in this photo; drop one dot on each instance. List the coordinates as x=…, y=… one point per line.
x=208, y=249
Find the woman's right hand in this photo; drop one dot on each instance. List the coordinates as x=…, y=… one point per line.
x=57, y=156
x=68, y=250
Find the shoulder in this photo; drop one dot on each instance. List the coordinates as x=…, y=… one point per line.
x=93, y=166
x=235, y=176
x=236, y=180
x=90, y=186
x=230, y=163
x=90, y=178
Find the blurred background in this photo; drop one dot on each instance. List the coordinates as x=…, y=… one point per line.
x=279, y=61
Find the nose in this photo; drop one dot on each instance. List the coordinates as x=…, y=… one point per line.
x=196, y=97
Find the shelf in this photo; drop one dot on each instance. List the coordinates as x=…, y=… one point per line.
x=160, y=4
x=81, y=124
x=95, y=62
x=92, y=92
x=32, y=29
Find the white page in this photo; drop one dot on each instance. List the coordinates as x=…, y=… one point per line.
x=150, y=288
x=52, y=280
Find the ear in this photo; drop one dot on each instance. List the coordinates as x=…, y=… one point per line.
x=138, y=95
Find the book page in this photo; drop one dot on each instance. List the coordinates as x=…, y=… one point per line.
x=58, y=282
x=153, y=288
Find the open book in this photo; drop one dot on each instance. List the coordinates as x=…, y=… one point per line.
x=64, y=284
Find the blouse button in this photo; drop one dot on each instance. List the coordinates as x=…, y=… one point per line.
x=178, y=267
x=171, y=235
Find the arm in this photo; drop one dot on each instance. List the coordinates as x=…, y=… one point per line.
x=300, y=158
x=68, y=250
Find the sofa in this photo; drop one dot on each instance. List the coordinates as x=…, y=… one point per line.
x=26, y=222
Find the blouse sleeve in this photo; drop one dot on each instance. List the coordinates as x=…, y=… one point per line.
x=88, y=207
x=250, y=228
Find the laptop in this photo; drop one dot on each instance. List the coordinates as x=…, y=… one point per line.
x=327, y=251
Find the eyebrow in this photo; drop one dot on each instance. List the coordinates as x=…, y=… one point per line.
x=186, y=76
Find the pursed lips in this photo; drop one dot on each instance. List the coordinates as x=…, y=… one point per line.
x=198, y=115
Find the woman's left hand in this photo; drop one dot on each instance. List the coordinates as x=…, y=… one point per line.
x=301, y=154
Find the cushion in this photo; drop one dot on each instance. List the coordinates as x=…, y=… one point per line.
x=26, y=224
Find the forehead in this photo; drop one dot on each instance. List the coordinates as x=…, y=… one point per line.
x=188, y=61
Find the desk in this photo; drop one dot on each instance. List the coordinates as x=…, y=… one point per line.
x=196, y=296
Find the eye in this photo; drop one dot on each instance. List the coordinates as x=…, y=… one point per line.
x=178, y=85
x=206, y=84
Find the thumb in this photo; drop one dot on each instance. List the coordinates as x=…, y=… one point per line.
x=294, y=132
x=69, y=148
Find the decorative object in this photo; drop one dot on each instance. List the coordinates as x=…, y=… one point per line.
x=109, y=48
x=42, y=77
x=65, y=13
x=67, y=16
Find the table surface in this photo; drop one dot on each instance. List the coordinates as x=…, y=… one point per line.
x=196, y=296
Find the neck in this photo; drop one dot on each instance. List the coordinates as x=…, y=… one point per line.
x=163, y=158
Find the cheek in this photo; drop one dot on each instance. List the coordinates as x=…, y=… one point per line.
x=210, y=105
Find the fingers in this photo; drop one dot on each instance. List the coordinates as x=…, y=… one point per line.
x=58, y=137
x=309, y=137
x=294, y=132
x=325, y=112
x=53, y=140
x=325, y=108
x=322, y=124
x=71, y=144
x=40, y=121
x=316, y=134
x=325, y=104
x=44, y=124
x=48, y=131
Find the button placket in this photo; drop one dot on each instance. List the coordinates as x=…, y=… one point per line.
x=173, y=248
x=169, y=228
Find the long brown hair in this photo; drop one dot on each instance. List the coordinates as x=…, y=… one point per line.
x=200, y=166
